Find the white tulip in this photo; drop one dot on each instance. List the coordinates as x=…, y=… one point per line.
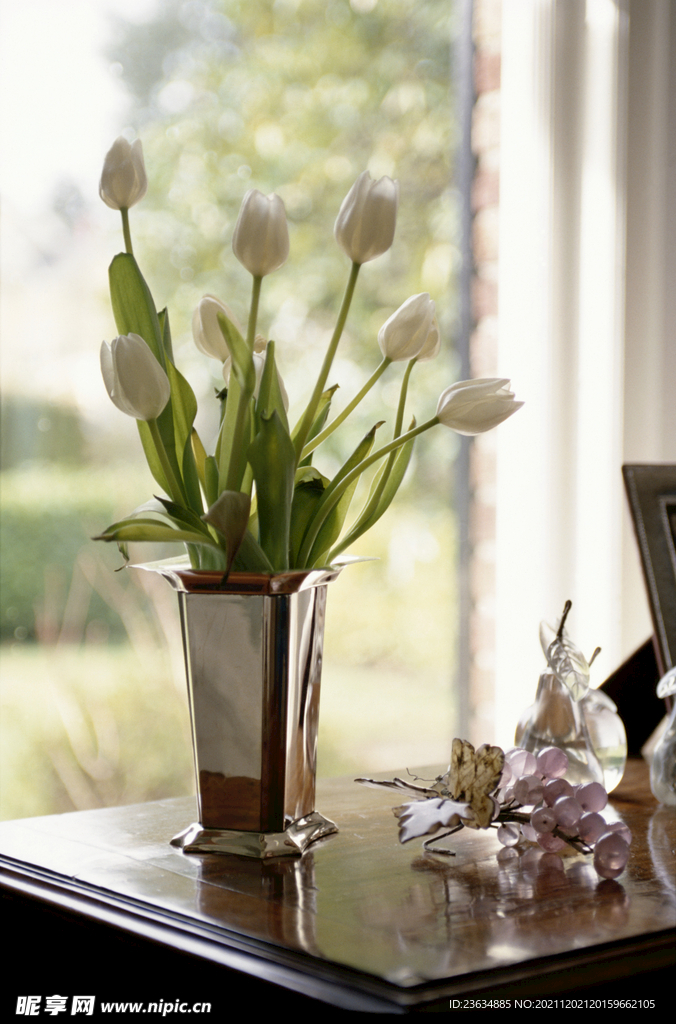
x=134, y=379
x=261, y=238
x=365, y=225
x=123, y=179
x=473, y=406
x=206, y=330
x=406, y=332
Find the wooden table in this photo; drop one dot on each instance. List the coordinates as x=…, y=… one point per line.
x=360, y=922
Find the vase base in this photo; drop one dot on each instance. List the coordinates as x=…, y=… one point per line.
x=291, y=843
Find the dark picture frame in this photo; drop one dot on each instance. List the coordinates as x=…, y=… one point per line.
x=651, y=490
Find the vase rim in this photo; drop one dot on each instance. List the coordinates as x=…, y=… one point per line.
x=183, y=578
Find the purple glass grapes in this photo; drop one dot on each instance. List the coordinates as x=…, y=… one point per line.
x=611, y=854
x=538, y=804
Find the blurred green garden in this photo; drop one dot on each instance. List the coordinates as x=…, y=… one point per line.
x=296, y=97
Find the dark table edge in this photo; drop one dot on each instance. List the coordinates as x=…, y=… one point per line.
x=327, y=981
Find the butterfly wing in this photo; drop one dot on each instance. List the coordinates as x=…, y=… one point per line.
x=473, y=776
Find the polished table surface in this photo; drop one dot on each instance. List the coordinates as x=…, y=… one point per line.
x=361, y=921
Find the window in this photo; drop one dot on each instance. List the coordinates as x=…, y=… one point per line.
x=295, y=96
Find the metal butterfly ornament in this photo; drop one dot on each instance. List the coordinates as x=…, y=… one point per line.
x=462, y=796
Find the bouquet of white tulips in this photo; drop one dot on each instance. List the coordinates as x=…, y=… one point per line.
x=258, y=503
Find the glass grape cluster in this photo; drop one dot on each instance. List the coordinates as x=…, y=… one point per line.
x=536, y=802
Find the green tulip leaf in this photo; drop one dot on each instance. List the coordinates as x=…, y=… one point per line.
x=385, y=485
x=200, y=457
x=270, y=398
x=184, y=409
x=230, y=516
x=135, y=313
x=251, y=557
x=329, y=500
x=206, y=468
x=308, y=490
x=152, y=458
x=133, y=305
x=184, y=405
x=210, y=479
x=333, y=523
x=183, y=516
x=163, y=317
x=236, y=426
x=320, y=419
x=138, y=529
x=272, y=458
x=233, y=338
x=242, y=359
x=207, y=557
x=191, y=479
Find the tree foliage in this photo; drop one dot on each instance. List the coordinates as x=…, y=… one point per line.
x=297, y=97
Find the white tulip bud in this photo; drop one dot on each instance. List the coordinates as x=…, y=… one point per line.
x=123, y=179
x=261, y=238
x=134, y=379
x=474, y=406
x=432, y=346
x=366, y=221
x=206, y=330
x=405, y=334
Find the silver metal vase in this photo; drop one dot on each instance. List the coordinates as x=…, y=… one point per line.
x=253, y=657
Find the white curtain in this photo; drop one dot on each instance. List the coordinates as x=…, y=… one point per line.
x=586, y=324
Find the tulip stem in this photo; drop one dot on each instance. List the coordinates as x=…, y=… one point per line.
x=237, y=456
x=374, y=498
x=316, y=441
x=402, y=398
x=253, y=311
x=175, y=487
x=125, y=230
x=311, y=411
x=354, y=474
x=397, y=432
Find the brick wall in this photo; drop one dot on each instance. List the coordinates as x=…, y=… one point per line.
x=483, y=360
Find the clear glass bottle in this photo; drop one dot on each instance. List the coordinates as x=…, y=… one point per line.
x=663, y=766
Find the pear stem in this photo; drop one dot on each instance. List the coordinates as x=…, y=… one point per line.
x=566, y=608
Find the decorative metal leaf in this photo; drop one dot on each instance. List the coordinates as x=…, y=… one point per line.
x=425, y=817
x=566, y=661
